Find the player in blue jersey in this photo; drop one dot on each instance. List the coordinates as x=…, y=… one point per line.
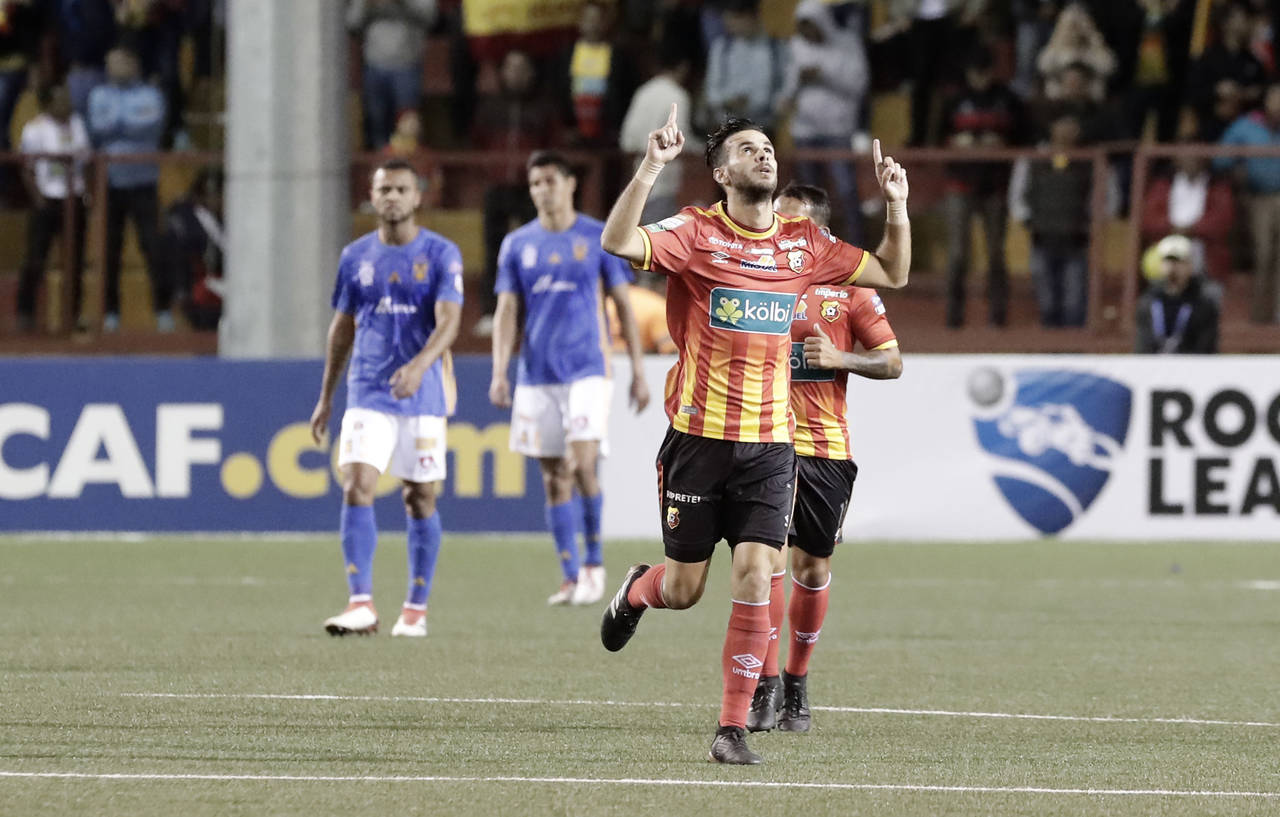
x=397, y=305
x=554, y=270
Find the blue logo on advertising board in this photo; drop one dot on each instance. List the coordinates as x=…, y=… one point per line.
x=1054, y=437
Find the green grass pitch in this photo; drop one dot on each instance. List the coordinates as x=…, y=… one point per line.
x=184, y=675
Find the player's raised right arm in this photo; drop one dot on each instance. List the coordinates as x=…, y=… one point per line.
x=619, y=236
x=342, y=333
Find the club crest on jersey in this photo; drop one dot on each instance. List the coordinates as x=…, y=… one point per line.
x=1053, y=438
x=554, y=259
x=830, y=311
x=579, y=250
x=673, y=517
x=795, y=260
x=420, y=268
x=365, y=273
x=750, y=310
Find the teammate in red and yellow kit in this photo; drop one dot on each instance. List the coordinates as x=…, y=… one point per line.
x=726, y=469
x=828, y=320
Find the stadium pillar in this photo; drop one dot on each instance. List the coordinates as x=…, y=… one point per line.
x=287, y=207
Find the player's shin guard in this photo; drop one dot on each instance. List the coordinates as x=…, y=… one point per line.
x=807, y=611
x=647, y=590
x=563, y=524
x=592, y=511
x=742, y=658
x=777, y=606
x=359, y=541
x=424, y=547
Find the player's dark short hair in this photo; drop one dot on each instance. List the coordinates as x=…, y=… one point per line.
x=817, y=199
x=717, y=138
x=550, y=158
x=396, y=163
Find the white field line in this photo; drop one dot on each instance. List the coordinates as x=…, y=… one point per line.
x=644, y=781
x=866, y=710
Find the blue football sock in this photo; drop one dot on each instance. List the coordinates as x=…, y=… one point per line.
x=359, y=541
x=563, y=524
x=592, y=510
x=424, y=547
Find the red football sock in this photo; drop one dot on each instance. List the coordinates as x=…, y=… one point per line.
x=743, y=656
x=777, y=606
x=807, y=610
x=646, y=591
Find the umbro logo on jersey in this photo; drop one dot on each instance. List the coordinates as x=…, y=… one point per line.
x=719, y=257
x=750, y=310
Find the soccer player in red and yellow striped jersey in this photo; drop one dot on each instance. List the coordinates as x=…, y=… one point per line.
x=726, y=469
x=828, y=320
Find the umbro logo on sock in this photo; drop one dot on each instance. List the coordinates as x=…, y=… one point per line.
x=807, y=638
x=749, y=665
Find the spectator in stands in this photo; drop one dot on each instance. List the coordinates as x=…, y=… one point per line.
x=984, y=114
x=515, y=121
x=1074, y=96
x=1158, y=54
x=1179, y=313
x=1053, y=200
x=393, y=41
x=1262, y=181
x=127, y=116
x=57, y=129
x=88, y=31
x=193, y=243
x=745, y=68
x=826, y=82
x=1195, y=203
x=1227, y=79
x=1033, y=23
x=652, y=103
x=154, y=28
x=593, y=74
x=406, y=143
x=21, y=22
x=1076, y=41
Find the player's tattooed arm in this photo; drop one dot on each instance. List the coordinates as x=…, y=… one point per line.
x=878, y=364
x=621, y=295
x=890, y=264
x=619, y=236
x=406, y=380
x=505, y=333
x=342, y=333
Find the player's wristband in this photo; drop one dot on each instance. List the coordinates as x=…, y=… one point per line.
x=896, y=213
x=648, y=171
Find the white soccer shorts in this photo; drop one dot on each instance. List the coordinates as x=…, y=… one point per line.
x=544, y=419
x=408, y=447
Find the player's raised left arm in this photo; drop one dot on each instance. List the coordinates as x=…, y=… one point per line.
x=875, y=364
x=406, y=380
x=621, y=295
x=890, y=264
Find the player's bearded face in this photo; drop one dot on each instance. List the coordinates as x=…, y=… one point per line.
x=395, y=195
x=752, y=170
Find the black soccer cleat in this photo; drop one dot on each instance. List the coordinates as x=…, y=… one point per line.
x=765, y=704
x=620, y=618
x=794, y=716
x=730, y=747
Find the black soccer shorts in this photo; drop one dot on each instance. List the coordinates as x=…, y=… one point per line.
x=720, y=489
x=823, y=489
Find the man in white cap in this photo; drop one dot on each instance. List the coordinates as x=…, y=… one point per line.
x=1178, y=313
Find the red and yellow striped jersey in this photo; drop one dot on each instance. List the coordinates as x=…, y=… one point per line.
x=846, y=315
x=731, y=293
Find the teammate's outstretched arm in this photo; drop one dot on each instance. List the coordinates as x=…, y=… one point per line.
x=621, y=295
x=876, y=364
x=505, y=334
x=406, y=380
x=619, y=236
x=342, y=333
x=889, y=265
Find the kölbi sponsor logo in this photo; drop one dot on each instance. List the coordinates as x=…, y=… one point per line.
x=1054, y=437
x=749, y=310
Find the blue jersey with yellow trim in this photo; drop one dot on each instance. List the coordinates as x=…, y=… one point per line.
x=560, y=277
x=392, y=292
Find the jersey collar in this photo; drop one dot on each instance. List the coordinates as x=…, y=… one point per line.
x=720, y=213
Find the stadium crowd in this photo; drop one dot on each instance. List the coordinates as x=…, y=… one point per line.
x=970, y=76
